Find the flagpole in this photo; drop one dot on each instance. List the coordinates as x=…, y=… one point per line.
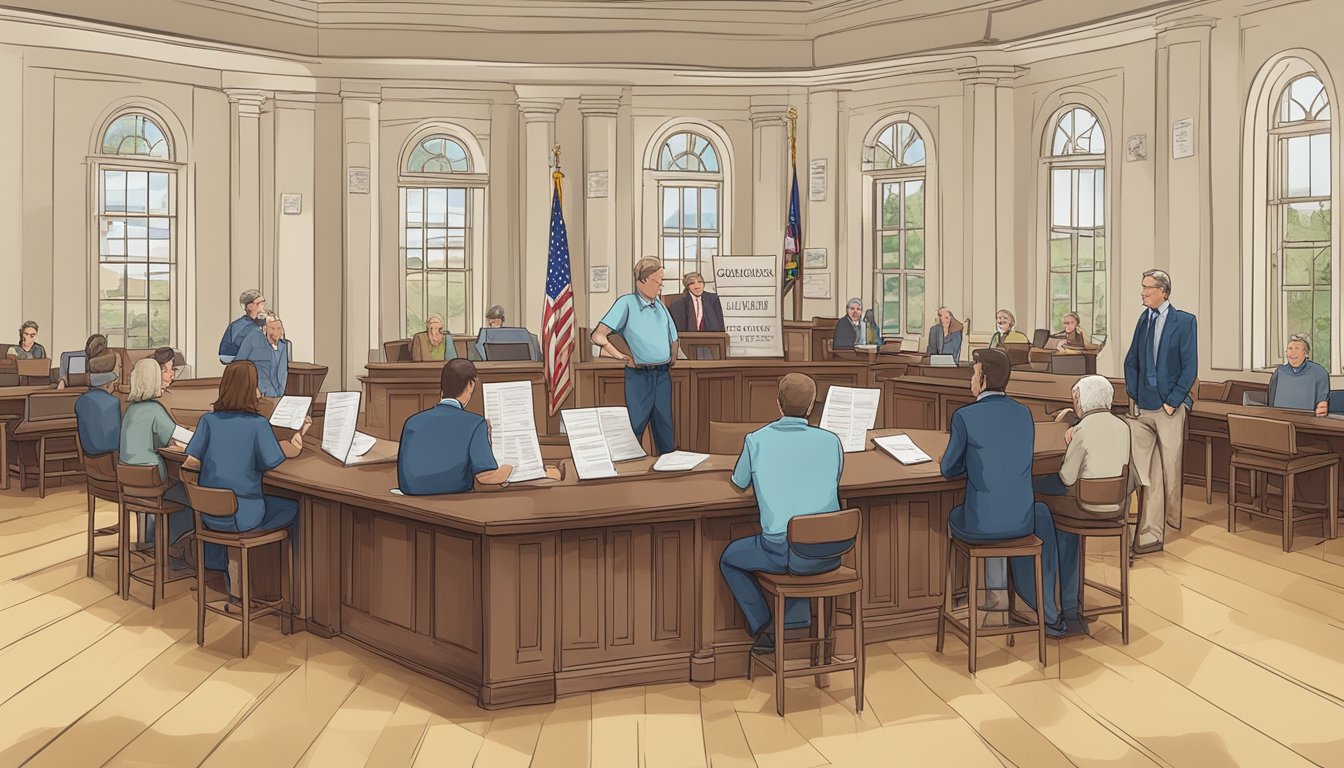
x=788, y=201
x=556, y=176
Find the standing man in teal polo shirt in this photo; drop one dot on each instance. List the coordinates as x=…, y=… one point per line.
x=648, y=330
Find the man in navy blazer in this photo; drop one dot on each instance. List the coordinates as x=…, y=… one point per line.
x=992, y=443
x=1160, y=369
x=696, y=310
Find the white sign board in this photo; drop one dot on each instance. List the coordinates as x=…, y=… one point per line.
x=1183, y=138
x=597, y=183
x=599, y=279
x=748, y=288
x=816, y=180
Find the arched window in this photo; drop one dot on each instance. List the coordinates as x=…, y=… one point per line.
x=136, y=217
x=1077, y=224
x=898, y=179
x=440, y=199
x=690, y=193
x=1300, y=224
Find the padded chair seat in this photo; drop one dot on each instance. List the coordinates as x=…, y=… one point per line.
x=1306, y=459
x=1092, y=524
x=789, y=581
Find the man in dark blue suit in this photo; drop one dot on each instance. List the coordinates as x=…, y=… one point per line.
x=992, y=442
x=446, y=449
x=1160, y=369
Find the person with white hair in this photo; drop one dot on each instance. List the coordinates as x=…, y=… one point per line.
x=855, y=327
x=145, y=429
x=253, y=318
x=1300, y=382
x=269, y=352
x=1098, y=447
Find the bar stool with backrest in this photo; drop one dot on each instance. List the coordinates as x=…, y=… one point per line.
x=1101, y=491
x=825, y=528
x=1268, y=448
x=51, y=416
x=975, y=554
x=100, y=475
x=221, y=502
x=141, y=491
x=1216, y=392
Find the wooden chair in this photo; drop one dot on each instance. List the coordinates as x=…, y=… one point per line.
x=100, y=477
x=142, y=491
x=727, y=437
x=975, y=554
x=218, y=502
x=53, y=445
x=825, y=588
x=1268, y=448
x=1101, y=491
x=1215, y=391
x=1018, y=353
x=398, y=351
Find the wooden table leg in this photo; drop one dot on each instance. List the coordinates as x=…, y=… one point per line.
x=4, y=457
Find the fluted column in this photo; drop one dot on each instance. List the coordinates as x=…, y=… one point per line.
x=360, y=104
x=246, y=252
x=599, y=157
x=770, y=154
x=538, y=139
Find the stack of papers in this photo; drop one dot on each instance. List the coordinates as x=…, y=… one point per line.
x=850, y=413
x=182, y=435
x=599, y=437
x=902, y=449
x=679, y=461
x=290, y=412
x=513, y=432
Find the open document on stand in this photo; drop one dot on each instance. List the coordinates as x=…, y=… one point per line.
x=587, y=444
x=338, y=425
x=849, y=413
x=621, y=440
x=513, y=433
x=290, y=412
x=902, y=449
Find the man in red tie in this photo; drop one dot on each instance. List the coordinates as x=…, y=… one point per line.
x=697, y=310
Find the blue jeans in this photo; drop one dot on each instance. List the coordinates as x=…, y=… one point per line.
x=743, y=558
x=181, y=522
x=648, y=399
x=1024, y=573
x=1066, y=546
x=280, y=513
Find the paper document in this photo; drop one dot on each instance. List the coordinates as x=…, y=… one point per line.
x=621, y=440
x=182, y=435
x=850, y=413
x=902, y=449
x=513, y=433
x=361, y=444
x=587, y=444
x=338, y=424
x=396, y=492
x=679, y=461
x=290, y=412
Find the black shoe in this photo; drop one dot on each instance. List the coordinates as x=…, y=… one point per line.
x=765, y=642
x=1076, y=627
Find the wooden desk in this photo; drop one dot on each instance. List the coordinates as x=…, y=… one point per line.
x=539, y=590
x=920, y=402
x=393, y=392
x=1211, y=416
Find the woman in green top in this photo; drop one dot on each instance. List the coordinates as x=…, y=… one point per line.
x=145, y=429
x=433, y=343
x=1006, y=335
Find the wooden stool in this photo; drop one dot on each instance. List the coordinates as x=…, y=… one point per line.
x=142, y=491
x=1106, y=491
x=976, y=553
x=824, y=528
x=100, y=475
x=219, y=502
x=1268, y=448
x=1206, y=437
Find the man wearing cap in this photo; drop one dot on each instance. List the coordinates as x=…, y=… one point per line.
x=254, y=307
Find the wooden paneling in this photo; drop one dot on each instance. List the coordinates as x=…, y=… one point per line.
x=621, y=591
x=581, y=593
x=880, y=555
x=392, y=593
x=320, y=541
x=457, y=589
x=520, y=595
x=907, y=408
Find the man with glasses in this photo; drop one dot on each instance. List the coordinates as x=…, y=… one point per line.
x=649, y=331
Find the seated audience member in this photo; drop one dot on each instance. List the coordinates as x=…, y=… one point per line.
x=696, y=309
x=1072, y=336
x=446, y=449
x=28, y=348
x=1300, y=382
x=433, y=343
x=145, y=429
x=794, y=470
x=1006, y=334
x=945, y=335
x=254, y=309
x=992, y=443
x=855, y=327
x=1098, y=447
x=269, y=352
x=233, y=447
x=167, y=360
x=495, y=317
x=98, y=411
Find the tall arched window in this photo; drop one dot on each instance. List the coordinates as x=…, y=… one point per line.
x=136, y=219
x=440, y=195
x=1077, y=224
x=1300, y=225
x=898, y=178
x=690, y=193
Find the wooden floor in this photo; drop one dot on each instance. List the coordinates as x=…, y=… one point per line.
x=1236, y=658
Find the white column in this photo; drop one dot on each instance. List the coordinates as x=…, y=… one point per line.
x=988, y=268
x=293, y=291
x=360, y=114
x=820, y=217
x=11, y=195
x=599, y=156
x=245, y=189
x=769, y=174
x=538, y=139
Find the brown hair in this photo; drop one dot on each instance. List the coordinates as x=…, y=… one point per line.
x=457, y=374
x=797, y=393
x=996, y=366
x=238, y=388
x=647, y=266
x=691, y=277
x=163, y=355
x=953, y=324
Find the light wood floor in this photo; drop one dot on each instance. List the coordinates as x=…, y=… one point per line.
x=1236, y=658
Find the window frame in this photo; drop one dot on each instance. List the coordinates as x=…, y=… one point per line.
x=1076, y=162
x=651, y=234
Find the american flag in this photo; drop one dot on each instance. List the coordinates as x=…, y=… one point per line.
x=557, y=321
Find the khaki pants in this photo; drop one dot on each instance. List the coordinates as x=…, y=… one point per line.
x=1158, y=443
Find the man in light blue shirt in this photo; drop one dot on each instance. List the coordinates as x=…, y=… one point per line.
x=795, y=470
x=649, y=331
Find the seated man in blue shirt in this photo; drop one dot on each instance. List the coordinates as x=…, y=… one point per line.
x=446, y=449
x=1300, y=382
x=795, y=470
x=269, y=352
x=254, y=307
x=98, y=412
